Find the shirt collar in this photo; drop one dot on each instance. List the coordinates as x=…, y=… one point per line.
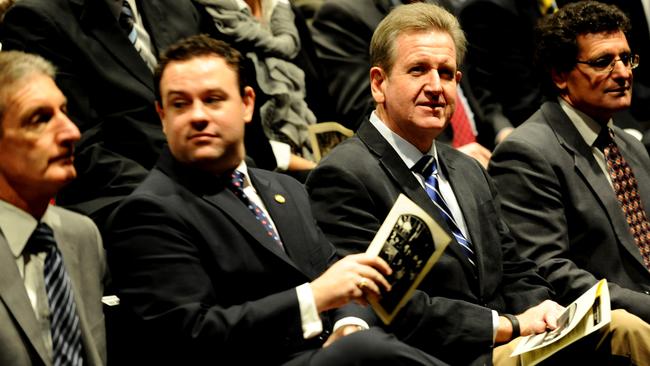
x=17, y=225
x=587, y=127
x=406, y=151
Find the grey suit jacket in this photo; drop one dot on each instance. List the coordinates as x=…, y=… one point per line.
x=564, y=213
x=353, y=189
x=81, y=246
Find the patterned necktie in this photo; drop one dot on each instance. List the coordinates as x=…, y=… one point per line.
x=461, y=125
x=237, y=186
x=426, y=166
x=64, y=320
x=627, y=192
x=127, y=22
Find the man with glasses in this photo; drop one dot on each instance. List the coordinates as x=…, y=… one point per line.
x=575, y=188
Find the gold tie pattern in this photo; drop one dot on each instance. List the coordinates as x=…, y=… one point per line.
x=627, y=193
x=547, y=6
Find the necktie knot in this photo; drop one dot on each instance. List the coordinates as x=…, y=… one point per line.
x=42, y=239
x=605, y=138
x=426, y=166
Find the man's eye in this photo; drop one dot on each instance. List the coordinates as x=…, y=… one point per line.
x=40, y=118
x=602, y=62
x=213, y=100
x=178, y=104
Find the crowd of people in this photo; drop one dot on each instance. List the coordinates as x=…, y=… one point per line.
x=160, y=202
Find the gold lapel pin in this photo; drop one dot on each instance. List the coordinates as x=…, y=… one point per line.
x=280, y=198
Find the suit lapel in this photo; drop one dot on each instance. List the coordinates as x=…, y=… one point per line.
x=14, y=296
x=96, y=17
x=589, y=170
x=466, y=201
x=404, y=178
x=285, y=215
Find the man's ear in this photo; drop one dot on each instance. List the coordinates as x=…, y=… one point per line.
x=377, y=79
x=248, y=103
x=459, y=76
x=161, y=115
x=559, y=79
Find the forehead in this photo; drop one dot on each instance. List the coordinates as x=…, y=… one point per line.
x=602, y=43
x=414, y=45
x=30, y=93
x=197, y=73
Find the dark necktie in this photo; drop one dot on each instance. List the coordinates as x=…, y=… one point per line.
x=461, y=125
x=64, y=320
x=627, y=192
x=237, y=186
x=426, y=166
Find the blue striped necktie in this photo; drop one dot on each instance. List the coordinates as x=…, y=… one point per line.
x=427, y=167
x=64, y=320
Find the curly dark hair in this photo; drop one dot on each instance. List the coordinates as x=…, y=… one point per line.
x=556, y=35
x=197, y=46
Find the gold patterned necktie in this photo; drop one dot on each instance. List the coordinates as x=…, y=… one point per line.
x=627, y=193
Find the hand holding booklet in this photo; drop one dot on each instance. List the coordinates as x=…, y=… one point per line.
x=590, y=312
x=410, y=241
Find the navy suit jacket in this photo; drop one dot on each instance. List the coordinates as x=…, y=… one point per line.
x=564, y=213
x=353, y=189
x=203, y=277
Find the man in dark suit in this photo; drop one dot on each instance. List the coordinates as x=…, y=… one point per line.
x=559, y=198
x=50, y=295
x=224, y=263
x=108, y=83
x=465, y=304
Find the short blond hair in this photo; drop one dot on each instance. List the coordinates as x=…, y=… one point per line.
x=416, y=17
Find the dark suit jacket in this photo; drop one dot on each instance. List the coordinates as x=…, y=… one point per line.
x=564, y=213
x=201, y=275
x=81, y=247
x=353, y=189
x=110, y=90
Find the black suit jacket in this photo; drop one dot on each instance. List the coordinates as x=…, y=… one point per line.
x=564, y=213
x=201, y=275
x=353, y=189
x=109, y=88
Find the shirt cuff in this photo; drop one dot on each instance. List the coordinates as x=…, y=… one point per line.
x=495, y=325
x=311, y=323
x=282, y=153
x=350, y=320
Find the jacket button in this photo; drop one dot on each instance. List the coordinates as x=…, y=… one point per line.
x=646, y=292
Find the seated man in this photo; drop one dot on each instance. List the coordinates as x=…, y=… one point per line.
x=466, y=303
x=51, y=260
x=561, y=193
x=221, y=262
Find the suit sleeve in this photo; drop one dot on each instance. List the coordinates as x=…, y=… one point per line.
x=534, y=209
x=160, y=272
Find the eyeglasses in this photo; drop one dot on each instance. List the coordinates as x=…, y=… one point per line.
x=606, y=64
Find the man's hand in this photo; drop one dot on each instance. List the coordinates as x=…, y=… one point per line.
x=535, y=320
x=349, y=279
x=478, y=152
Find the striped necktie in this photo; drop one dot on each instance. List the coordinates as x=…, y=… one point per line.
x=427, y=167
x=627, y=192
x=64, y=320
x=127, y=23
x=237, y=186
